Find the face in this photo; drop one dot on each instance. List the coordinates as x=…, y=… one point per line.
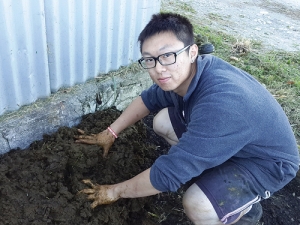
x=175, y=77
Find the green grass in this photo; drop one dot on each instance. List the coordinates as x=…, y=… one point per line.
x=278, y=71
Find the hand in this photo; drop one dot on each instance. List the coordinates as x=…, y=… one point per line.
x=104, y=139
x=100, y=194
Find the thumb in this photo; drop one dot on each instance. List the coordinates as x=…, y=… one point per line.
x=106, y=149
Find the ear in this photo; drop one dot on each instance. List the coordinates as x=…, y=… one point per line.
x=193, y=52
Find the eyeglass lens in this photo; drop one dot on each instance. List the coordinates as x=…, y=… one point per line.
x=164, y=60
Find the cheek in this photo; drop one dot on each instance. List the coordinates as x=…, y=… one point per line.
x=175, y=67
x=183, y=65
x=152, y=75
x=179, y=68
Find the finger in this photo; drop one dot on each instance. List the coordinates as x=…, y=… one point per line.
x=79, y=137
x=97, y=202
x=89, y=182
x=92, y=197
x=91, y=137
x=106, y=149
x=86, y=141
x=105, y=152
x=88, y=137
x=94, y=204
x=80, y=131
x=87, y=191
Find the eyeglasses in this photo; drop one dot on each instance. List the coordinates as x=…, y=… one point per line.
x=165, y=59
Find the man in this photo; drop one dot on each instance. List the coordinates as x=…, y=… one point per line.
x=227, y=132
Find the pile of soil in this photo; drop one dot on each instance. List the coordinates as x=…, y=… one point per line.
x=40, y=185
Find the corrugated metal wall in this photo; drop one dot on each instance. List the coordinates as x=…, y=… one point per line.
x=49, y=44
x=24, y=73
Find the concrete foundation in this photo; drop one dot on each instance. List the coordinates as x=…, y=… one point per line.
x=66, y=107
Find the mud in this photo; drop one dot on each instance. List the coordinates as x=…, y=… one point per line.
x=39, y=185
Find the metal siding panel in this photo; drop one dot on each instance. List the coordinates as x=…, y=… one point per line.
x=23, y=60
x=46, y=45
x=88, y=38
x=53, y=43
x=106, y=17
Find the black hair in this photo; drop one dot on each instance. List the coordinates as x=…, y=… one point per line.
x=180, y=26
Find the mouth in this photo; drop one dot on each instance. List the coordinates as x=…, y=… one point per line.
x=164, y=80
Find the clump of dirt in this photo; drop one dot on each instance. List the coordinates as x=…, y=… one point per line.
x=39, y=185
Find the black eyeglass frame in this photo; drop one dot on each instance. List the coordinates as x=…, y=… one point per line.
x=157, y=58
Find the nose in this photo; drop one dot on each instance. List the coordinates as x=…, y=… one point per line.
x=159, y=68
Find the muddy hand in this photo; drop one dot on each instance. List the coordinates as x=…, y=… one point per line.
x=100, y=194
x=104, y=139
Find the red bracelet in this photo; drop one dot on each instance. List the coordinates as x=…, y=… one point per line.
x=112, y=132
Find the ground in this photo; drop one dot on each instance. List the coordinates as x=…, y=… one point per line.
x=275, y=24
x=39, y=185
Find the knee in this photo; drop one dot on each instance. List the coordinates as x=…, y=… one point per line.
x=159, y=122
x=198, y=207
x=191, y=205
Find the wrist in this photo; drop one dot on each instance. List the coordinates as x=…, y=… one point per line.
x=110, y=130
x=116, y=191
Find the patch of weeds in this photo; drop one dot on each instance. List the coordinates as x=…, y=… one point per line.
x=241, y=46
x=167, y=6
x=188, y=8
x=221, y=41
x=214, y=16
x=124, y=70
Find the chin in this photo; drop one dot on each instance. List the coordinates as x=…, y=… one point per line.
x=165, y=88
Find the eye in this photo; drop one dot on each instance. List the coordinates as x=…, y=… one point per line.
x=168, y=54
x=148, y=60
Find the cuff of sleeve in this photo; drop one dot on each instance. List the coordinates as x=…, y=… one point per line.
x=155, y=181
